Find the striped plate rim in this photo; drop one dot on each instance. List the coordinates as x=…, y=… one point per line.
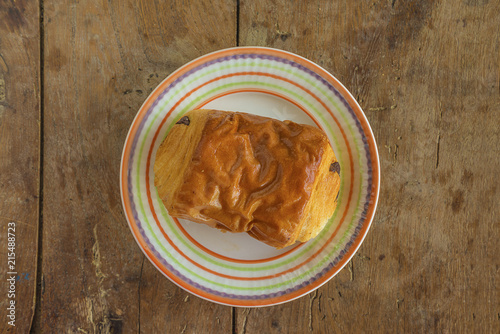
x=334, y=266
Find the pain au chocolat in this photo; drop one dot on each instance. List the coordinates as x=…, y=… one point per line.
x=277, y=181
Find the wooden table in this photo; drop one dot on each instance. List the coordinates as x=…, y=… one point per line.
x=427, y=74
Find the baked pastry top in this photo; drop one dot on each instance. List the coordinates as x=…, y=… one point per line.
x=277, y=181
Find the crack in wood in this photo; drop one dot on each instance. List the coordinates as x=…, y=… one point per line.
x=312, y=297
x=438, y=141
x=139, y=296
x=96, y=260
x=237, y=22
x=2, y=90
x=89, y=304
x=233, y=320
x=40, y=283
x=3, y=65
x=244, y=326
x=399, y=301
x=319, y=303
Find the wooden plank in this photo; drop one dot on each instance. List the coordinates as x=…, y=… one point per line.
x=102, y=59
x=427, y=75
x=19, y=161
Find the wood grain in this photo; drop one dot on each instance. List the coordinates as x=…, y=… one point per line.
x=427, y=74
x=19, y=157
x=101, y=61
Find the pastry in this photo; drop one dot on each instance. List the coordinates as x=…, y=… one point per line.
x=277, y=181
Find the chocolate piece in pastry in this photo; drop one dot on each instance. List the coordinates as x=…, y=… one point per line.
x=277, y=181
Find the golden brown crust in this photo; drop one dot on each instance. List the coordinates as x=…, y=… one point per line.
x=322, y=204
x=174, y=155
x=245, y=173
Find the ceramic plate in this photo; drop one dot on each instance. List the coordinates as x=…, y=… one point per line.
x=234, y=269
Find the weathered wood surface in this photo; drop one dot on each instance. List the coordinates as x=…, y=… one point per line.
x=101, y=61
x=427, y=74
x=19, y=158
